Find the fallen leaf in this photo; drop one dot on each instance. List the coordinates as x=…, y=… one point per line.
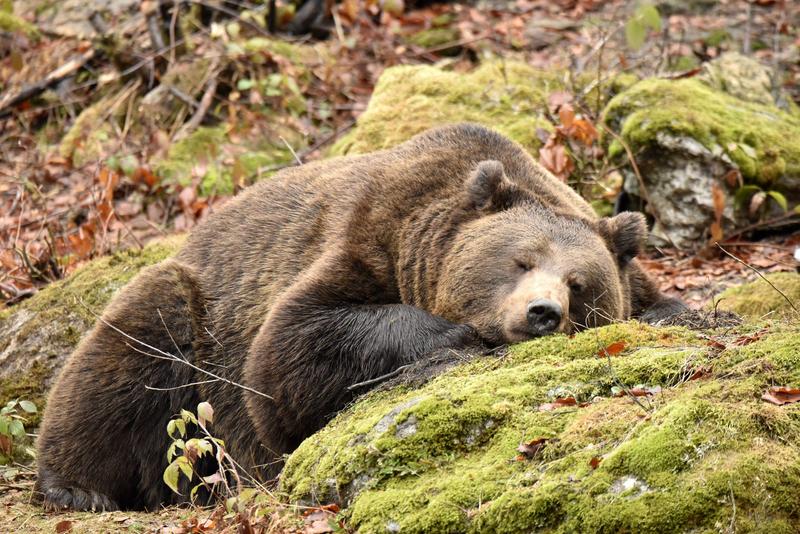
x=701, y=372
x=636, y=391
x=558, y=403
x=532, y=448
x=611, y=350
x=595, y=461
x=64, y=526
x=781, y=395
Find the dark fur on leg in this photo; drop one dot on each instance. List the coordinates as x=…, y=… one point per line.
x=102, y=444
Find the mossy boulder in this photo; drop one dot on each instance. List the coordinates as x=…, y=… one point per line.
x=700, y=449
x=760, y=300
x=510, y=97
x=687, y=134
x=37, y=335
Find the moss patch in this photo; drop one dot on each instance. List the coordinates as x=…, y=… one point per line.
x=38, y=334
x=433, y=37
x=760, y=139
x=9, y=22
x=758, y=299
x=510, y=97
x=444, y=457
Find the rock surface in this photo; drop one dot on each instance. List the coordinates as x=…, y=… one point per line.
x=689, y=133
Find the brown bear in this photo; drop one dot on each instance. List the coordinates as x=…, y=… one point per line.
x=330, y=274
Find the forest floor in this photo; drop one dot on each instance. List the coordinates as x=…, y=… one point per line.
x=56, y=213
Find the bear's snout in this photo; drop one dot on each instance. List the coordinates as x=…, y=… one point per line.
x=544, y=316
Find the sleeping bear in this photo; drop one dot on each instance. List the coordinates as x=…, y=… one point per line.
x=327, y=275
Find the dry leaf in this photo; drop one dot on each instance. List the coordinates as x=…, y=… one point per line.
x=780, y=395
x=611, y=350
x=532, y=448
x=558, y=403
x=64, y=526
x=595, y=461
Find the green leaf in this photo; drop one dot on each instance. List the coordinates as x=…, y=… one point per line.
x=205, y=413
x=634, y=33
x=181, y=426
x=185, y=465
x=171, y=428
x=743, y=194
x=28, y=406
x=245, y=84
x=188, y=416
x=780, y=199
x=16, y=428
x=4, y=426
x=797, y=209
x=650, y=16
x=171, y=477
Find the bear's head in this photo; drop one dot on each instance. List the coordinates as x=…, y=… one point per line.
x=520, y=269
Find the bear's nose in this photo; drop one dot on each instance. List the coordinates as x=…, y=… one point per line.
x=544, y=316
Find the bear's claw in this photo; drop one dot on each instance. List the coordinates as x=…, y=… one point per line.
x=58, y=499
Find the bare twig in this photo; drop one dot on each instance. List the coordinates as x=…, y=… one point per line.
x=379, y=379
x=202, y=108
x=762, y=277
x=67, y=69
x=162, y=355
x=303, y=153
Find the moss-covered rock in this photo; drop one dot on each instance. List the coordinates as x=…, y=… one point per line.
x=759, y=300
x=37, y=335
x=510, y=97
x=444, y=458
x=689, y=133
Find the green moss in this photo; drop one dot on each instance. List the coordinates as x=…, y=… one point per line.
x=443, y=458
x=207, y=154
x=756, y=137
x=510, y=97
x=89, y=136
x=9, y=22
x=434, y=37
x=759, y=299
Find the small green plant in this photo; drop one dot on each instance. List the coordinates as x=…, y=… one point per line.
x=12, y=428
x=753, y=200
x=645, y=17
x=183, y=454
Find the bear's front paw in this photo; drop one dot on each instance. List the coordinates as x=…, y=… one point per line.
x=663, y=310
x=460, y=336
x=60, y=499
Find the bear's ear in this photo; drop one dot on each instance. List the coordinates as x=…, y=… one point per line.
x=488, y=189
x=625, y=235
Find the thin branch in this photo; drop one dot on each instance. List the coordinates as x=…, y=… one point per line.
x=173, y=388
x=160, y=354
x=762, y=277
x=379, y=379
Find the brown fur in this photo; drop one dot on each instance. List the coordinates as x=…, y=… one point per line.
x=329, y=274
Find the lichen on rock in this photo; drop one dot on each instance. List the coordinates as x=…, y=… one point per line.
x=678, y=459
x=38, y=334
x=510, y=97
